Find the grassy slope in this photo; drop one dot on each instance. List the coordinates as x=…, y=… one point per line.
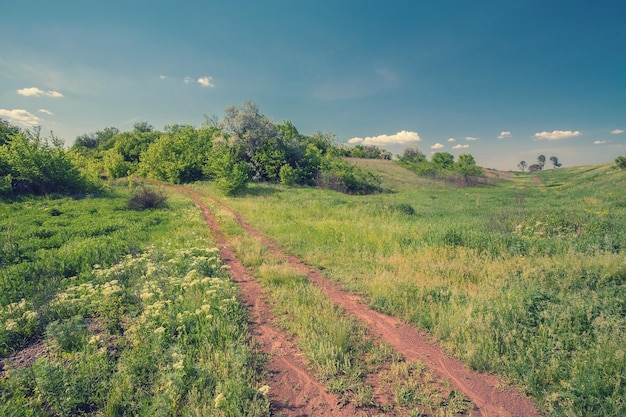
x=120, y=313
x=523, y=278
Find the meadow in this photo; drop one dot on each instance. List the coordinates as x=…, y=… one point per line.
x=118, y=312
x=525, y=278
x=124, y=312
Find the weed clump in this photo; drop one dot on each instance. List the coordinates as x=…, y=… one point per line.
x=144, y=198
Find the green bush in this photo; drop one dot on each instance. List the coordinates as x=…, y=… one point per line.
x=69, y=334
x=620, y=161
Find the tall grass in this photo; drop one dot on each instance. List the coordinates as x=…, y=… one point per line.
x=153, y=328
x=337, y=347
x=521, y=278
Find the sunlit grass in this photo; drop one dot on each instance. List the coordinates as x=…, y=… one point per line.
x=523, y=278
x=154, y=329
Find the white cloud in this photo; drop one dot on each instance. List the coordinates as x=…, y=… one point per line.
x=206, y=81
x=36, y=92
x=504, y=134
x=437, y=146
x=459, y=146
x=599, y=142
x=557, y=134
x=617, y=131
x=187, y=80
x=470, y=138
x=162, y=77
x=399, y=138
x=20, y=116
x=451, y=140
x=48, y=112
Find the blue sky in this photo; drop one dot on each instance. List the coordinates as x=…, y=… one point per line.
x=504, y=81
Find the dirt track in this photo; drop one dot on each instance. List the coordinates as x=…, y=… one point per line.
x=295, y=391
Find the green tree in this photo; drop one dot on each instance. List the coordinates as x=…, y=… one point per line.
x=178, y=155
x=555, y=162
x=442, y=160
x=7, y=132
x=620, y=162
x=522, y=165
x=32, y=165
x=230, y=175
x=541, y=160
x=466, y=166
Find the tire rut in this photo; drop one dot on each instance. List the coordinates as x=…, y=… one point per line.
x=293, y=387
x=294, y=391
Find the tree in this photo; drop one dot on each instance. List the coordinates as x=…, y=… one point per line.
x=620, y=162
x=30, y=164
x=412, y=154
x=535, y=168
x=541, y=160
x=466, y=166
x=249, y=131
x=7, y=132
x=443, y=160
x=522, y=165
x=555, y=161
x=230, y=175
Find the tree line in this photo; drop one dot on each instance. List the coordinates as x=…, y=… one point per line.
x=243, y=146
x=541, y=162
x=442, y=166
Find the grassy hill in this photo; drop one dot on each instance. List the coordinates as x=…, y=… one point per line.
x=526, y=277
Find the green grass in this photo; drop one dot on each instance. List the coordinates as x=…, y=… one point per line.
x=524, y=279
x=136, y=314
x=337, y=347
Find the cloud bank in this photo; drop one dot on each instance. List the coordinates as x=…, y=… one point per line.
x=206, y=81
x=557, y=134
x=399, y=138
x=20, y=116
x=36, y=92
x=460, y=146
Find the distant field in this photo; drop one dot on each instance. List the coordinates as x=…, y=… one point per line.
x=526, y=278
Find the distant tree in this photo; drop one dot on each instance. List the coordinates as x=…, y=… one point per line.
x=143, y=127
x=249, y=131
x=412, y=154
x=541, y=160
x=555, y=161
x=522, y=165
x=466, y=166
x=620, y=162
x=535, y=168
x=7, y=132
x=442, y=160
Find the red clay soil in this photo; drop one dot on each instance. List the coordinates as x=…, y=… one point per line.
x=291, y=382
x=294, y=391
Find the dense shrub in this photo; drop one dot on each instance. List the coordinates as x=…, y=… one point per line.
x=31, y=165
x=144, y=198
x=620, y=161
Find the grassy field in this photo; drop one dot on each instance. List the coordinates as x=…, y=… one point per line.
x=526, y=278
x=120, y=312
